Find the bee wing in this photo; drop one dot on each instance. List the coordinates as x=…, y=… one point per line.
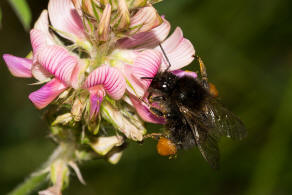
x=224, y=122
x=206, y=142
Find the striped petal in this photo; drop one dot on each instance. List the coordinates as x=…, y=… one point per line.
x=38, y=40
x=65, y=18
x=146, y=64
x=179, y=51
x=144, y=112
x=111, y=79
x=45, y=95
x=58, y=61
x=148, y=39
x=18, y=67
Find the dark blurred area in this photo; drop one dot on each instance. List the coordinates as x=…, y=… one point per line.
x=247, y=48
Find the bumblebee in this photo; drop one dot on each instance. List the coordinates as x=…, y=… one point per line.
x=194, y=117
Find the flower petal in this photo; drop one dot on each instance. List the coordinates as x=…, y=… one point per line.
x=40, y=73
x=64, y=17
x=96, y=96
x=144, y=20
x=146, y=64
x=42, y=22
x=144, y=112
x=111, y=79
x=38, y=39
x=181, y=73
x=58, y=61
x=18, y=67
x=179, y=51
x=147, y=39
x=42, y=25
x=47, y=93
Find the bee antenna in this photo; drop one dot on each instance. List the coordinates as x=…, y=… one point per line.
x=169, y=65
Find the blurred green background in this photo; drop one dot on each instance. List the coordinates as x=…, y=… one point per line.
x=247, y=48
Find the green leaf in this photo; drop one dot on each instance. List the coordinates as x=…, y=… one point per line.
x=23, y=12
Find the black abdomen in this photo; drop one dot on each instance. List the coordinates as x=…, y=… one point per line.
x=189, y=93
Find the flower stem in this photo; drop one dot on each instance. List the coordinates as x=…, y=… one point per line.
x=30, y=184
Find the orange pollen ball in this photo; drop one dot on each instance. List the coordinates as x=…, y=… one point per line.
x=165, y=147
x=213, y=90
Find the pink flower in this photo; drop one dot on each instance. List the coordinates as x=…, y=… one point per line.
x=106, y=57
x=91, y=56
x=104, y=80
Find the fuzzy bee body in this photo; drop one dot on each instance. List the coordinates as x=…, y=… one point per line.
x=193, y=116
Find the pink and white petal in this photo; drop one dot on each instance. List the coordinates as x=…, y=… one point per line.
x=144, y=112
x=38, y=40
x=40, y=73
x=183, y=55
x=111, y=78
x=181, y=73
x=96, y=96
x=58, y=61
x=147, y=64
x=42, y=24
x=144, y=20
x=173, y=40
x=64, y=17
x=148, y=39
x=134, y=85
x=180, y=51
x=78, y=75
x=47, y=93
x=18, y=67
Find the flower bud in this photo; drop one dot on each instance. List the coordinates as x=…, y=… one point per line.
x=63, y=119
x=104, y=24
x=104, y=144
x=89, y=7
x=77, y=108
x=123, y=20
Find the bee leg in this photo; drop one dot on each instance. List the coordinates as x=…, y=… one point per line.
x=156, y=111
x=149, y=96
x=156, y=99
x=203, y=73
x=153, y=135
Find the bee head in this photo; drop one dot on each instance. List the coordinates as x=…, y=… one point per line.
x=164, y=82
